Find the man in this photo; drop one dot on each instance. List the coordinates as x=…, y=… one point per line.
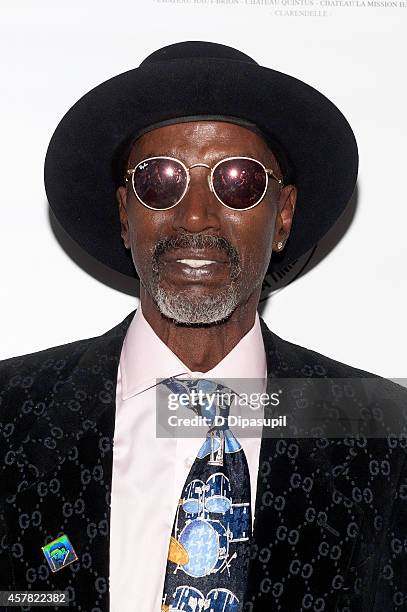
x=221, y=168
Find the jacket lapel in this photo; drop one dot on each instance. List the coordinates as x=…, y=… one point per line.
x=66, y=489
x=307, y=527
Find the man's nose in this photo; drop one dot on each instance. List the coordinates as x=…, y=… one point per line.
x=199, y=208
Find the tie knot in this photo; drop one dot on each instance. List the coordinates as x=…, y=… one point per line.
x=207, y=398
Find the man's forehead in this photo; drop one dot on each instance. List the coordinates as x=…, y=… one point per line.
x=226, y=135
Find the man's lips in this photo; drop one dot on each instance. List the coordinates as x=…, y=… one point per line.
x=195, y=258
x=195, y=265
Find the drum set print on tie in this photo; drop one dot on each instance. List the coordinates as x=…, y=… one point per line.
x=212, y=525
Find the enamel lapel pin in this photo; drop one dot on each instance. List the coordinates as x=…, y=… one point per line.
x=59, y=553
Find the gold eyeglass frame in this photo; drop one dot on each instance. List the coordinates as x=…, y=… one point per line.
x=268, y=172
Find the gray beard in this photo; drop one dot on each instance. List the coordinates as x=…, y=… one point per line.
x=183, y=308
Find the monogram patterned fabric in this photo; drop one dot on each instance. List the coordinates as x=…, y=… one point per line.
x=330, y=529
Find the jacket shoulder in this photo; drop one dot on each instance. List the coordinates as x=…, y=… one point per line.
x=291, y=360
x=37, y=378
x=54, y=358
x=64, y=357
x=302, y=361
x=28, y=382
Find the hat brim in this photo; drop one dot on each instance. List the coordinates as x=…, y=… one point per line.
x=78, y=173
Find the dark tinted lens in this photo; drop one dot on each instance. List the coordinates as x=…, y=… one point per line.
x=160, y=182
x=239, y=183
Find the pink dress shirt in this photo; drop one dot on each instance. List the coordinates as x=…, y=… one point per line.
x=149, y=472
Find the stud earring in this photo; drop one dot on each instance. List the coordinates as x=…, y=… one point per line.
x=280, y=245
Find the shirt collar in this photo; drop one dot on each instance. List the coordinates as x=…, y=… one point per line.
x=145, y=358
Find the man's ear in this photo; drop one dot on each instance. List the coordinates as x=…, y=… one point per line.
x=121, y=197
x=285, y=214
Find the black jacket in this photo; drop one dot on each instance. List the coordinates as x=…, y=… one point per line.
x=330, y=528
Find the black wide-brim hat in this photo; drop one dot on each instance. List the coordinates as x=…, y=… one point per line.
x=83, y=160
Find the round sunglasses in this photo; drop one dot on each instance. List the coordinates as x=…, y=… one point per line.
x=239, y=183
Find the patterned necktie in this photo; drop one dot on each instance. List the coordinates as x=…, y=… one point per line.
x=208, y=555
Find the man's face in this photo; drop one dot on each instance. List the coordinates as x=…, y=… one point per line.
x=200, y=227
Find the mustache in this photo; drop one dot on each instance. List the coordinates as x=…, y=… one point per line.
x=196, y=241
